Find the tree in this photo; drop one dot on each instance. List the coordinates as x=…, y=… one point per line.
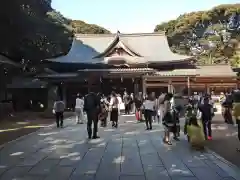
x=28, y=32
x=200, y=23
x=32, y=31
x=84, y=28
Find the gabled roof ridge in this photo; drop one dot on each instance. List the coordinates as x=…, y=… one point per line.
x=120, y=34
x=94, y=35
x=109, y=47
x=129, y=48
x=142, y=34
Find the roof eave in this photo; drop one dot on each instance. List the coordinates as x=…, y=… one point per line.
x=170, y=61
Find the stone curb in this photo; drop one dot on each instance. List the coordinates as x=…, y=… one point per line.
x=24, y=136
x=236, y=169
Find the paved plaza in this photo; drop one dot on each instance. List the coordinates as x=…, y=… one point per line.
x=126, y=153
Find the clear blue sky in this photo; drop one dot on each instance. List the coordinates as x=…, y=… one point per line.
x=131, y=16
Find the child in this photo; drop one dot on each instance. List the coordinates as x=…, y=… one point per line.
x=195, y=133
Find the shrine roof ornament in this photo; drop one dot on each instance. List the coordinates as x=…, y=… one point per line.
x=141, y=47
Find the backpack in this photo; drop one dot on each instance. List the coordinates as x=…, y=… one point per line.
x=228, y=101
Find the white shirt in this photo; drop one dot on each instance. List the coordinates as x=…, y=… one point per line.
x=112, y=102
x=149, y=105
x=79, y=103
x=119, y=100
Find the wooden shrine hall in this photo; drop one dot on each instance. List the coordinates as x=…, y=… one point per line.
x=136, y=62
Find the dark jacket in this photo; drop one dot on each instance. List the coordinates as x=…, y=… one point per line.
x=207, y=112
x=91, y=102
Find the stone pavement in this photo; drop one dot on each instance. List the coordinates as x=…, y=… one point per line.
x=128, y=152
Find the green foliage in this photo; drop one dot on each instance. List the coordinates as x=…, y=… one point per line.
x=33, y=31
x=84, y=28
x=177, y=30
x=29, y=32
x=235, y=59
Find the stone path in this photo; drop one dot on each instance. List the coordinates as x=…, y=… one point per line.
x=128, y=152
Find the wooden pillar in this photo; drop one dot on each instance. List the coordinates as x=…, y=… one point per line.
x=188, y=86
x=60, y=91
x=170, y=89
x=144, y=88
x=89, y=83
x=52, y=96
x=207, y=88
x=136, y=86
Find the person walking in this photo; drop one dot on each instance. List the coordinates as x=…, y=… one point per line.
x=126, y=100
x=103, y=112
x=161, y=107
x=79, y=109
x=168, y=120
x=228, y=107
x=113, y=108
x=91, y=107
x=149, y=108
x=207, y=115
x=138, y=101
x=121, y=105
x=58, y=110
x=132, y=106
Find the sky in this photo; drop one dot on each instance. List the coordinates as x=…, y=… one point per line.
x=131, y=16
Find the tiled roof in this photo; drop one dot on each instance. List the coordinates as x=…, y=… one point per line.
x=201, y=71
x=215, y=70
x=120, y=70
x=58, y=75
x=176, y=72
x=129, y=70
x=83, y=73
x=152, y=46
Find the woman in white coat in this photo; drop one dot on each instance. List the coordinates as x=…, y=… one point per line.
x=79, y=109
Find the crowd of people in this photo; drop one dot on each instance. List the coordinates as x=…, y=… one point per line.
x=198, y=113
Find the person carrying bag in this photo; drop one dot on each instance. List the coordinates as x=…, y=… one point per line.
x=113, y=108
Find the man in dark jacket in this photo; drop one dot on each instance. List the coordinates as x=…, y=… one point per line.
x=91, y=107
x=228, y=106
x=207, y=115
